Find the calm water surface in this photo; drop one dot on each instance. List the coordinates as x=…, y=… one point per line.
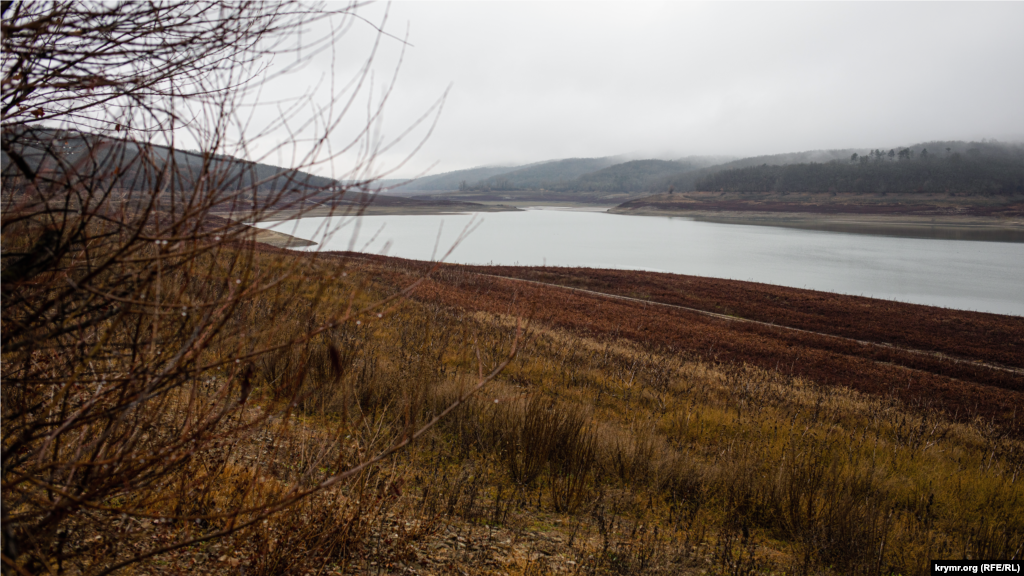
x=971, y=275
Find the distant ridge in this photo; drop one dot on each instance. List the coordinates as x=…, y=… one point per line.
x=971, y=168
x=124, y=163
x=448, y=180
x=547, y=174
x=610, y=174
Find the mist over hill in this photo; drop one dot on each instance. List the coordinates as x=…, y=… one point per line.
x=986, y=167
x=586, y=176
x=687, y=181
x=447, y=181
x=535, y=176
x=611, y=174
x=963, y=168
x=544, y=175
x=630, y=176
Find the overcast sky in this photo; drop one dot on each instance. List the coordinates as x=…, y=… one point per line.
x=532, y=81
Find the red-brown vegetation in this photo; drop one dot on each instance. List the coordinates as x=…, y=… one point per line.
x=875, y=346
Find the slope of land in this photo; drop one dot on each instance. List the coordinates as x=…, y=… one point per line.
x=640, y=429
x=605, y=181
x=972, y=171
x=241, y=186
x=446, y=181
x=968, y=190
x=966, y=364
x=544, y=175
x=634, y=176
x=530, y=176
x=984, y=169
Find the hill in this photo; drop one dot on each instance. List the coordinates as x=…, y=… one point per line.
x=449, y=180
x=535, y=176
x=687, y=181
x=971, y=169
x=597, y=180
x=235, y=185
x=634, y=176
x=954, y=167
x=608, y=180
x=545, y=175
x=955, y=190
x=129, y=165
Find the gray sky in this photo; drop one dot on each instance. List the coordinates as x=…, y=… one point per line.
x=537, y=81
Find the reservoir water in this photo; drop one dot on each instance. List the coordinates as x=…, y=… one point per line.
x=969, y=275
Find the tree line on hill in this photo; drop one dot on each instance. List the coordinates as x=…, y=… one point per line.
x=978, y=168
x=126, y=165
x=975, y=169
x=986, y=168
x=586, y=175
x=612, y=174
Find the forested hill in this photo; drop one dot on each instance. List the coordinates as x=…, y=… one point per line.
x=528, y=176
x=634, y=176
x=448, y=180
x=685, y=181
x=135, y=167
x=543, y=175
x=127, y=165
x=976, y=168
x=611, y=174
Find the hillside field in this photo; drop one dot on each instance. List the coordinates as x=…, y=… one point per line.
x=648, y=424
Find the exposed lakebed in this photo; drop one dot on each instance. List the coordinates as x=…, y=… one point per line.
x=970, y=275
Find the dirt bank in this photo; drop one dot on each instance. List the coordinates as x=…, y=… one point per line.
x=920, y=216
x=420, y=208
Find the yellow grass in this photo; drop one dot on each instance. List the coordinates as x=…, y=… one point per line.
x=642, y=461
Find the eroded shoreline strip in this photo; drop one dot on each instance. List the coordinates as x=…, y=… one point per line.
x=730, y=318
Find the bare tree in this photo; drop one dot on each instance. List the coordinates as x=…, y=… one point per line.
x=129, y=284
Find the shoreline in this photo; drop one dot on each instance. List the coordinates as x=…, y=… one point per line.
x=282, y=240
x=371, y=210
x=936, y=227
x=278, y=239
x=942, y=227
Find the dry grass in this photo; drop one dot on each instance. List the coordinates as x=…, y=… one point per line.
x=586, y=457
x=764, y=470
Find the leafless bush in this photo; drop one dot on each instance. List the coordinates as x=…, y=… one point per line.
x=527, y=435
x=140, y=323
x=632, y=455
x=573, y=454
x=686, y=488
